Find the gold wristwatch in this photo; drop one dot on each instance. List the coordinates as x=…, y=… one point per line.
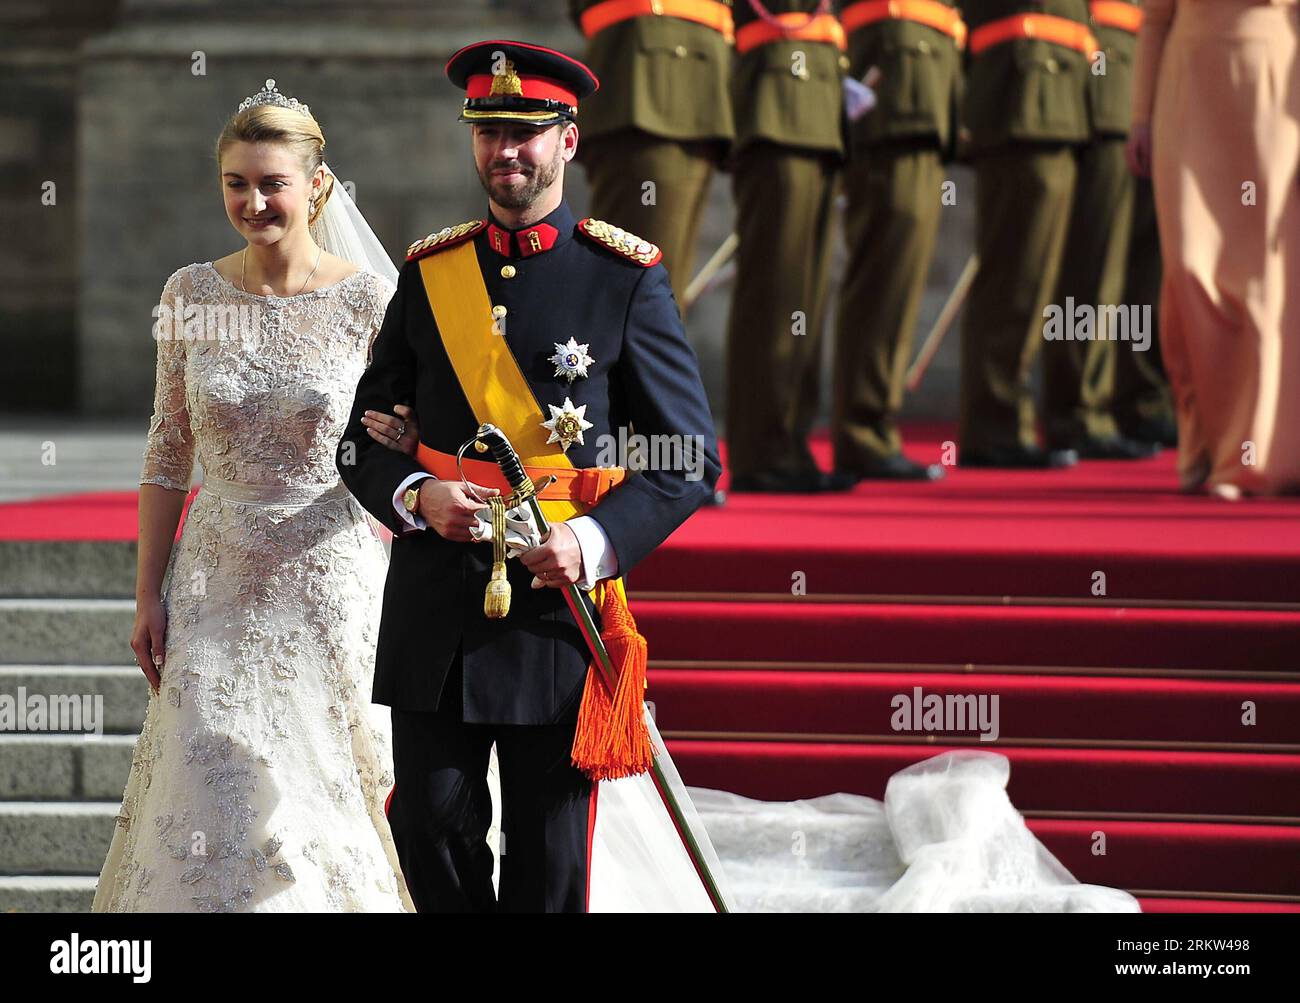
x=411, y=498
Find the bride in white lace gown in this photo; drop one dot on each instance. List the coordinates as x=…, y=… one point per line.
x=258, y=781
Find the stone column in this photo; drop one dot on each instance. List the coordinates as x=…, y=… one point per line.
x=39, y=72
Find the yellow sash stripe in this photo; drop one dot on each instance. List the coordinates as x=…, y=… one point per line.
x=489, y=374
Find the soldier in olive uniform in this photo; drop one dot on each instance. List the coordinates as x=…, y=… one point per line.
x=1026, y=108
x=1079, y=376
x=1143, y=405
x=893, y=186
x=662, y=115
x=787, y=93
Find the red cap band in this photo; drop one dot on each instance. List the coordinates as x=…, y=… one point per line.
x=479, y=85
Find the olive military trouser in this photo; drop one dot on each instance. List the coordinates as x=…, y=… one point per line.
x=618, y=167
x=783, y=221
x=890, y=223
x=1024, y=192
x=1141, y=389
x=1079, y=376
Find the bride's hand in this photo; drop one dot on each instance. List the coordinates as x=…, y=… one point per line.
x=400, y=432
x=148, y=639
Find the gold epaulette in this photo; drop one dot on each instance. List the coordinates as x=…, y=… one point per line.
x=448, y=236
x=629, y=245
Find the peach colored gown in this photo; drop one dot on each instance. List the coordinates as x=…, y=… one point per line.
x=1219, y=81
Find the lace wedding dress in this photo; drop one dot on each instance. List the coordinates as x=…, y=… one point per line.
x=259, y=778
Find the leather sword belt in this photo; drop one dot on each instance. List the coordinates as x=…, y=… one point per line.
x=706, y=12
x=1043, y=27
x=791, y=28
x=1116, y=14
x=930, y=13
x=583, y=484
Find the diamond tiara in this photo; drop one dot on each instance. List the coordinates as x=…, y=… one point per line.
x=269, y=94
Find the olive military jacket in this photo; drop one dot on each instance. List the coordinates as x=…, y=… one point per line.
x=1110, y=93
x=1026, y=90
x=663, y=75
x=789, y=92
x=918, y=94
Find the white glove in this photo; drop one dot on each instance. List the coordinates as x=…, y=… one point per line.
x=859, y=98
x=521, y=529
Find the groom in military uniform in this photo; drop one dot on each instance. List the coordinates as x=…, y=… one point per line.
x=525, y=309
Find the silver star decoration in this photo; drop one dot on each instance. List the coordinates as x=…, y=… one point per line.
x=571, y=359
x=567, y=424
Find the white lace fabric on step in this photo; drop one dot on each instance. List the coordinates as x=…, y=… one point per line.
x=945, y=839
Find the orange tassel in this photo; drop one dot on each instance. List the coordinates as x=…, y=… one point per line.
x=611, y=739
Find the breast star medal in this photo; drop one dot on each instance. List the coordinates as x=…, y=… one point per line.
x=566, y=424
x=571, y=360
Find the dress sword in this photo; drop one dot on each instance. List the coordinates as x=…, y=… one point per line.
x=496, y=442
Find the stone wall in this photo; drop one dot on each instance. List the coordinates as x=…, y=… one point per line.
x=39, y=203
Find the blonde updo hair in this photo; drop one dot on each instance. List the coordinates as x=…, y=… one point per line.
x=268, y=123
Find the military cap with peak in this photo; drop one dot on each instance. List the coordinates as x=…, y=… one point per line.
x=517, y=82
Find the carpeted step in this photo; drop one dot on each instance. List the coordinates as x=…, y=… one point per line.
x=991, y=533
x=1068, y=636
x=794, y=702
x=1042, y=779
x=1173, y=856
x=1153, y=904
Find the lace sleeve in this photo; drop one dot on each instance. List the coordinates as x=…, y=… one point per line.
x=169, y=448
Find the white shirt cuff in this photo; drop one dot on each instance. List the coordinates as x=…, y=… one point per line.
x=412, y=519
x=598, y=558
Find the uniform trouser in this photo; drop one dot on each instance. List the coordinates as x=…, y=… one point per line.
x=890, y=223
x=783, y=222
x=441, y=809
x=1141, y=390
x=1079, y=376
x=1024, y=192
x=618, y=166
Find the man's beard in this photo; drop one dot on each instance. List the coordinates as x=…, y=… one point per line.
x=520, y=196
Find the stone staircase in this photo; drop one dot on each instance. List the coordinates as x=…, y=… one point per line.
x=65, y=619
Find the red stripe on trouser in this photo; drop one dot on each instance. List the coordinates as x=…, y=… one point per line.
x=389, y=800
x=591, y=833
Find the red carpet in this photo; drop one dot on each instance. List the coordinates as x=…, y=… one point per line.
x=994, y=533
x=1164, y=714
x=1121, y=713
